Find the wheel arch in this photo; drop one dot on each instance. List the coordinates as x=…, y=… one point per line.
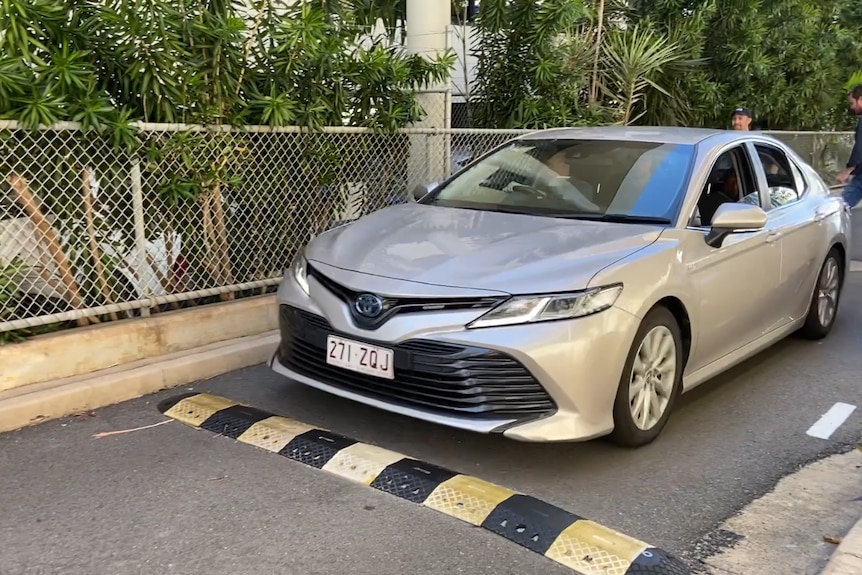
x=680, y=313
x=845, y=259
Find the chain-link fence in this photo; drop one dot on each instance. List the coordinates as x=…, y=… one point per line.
x=90, y=232
x=827, y=152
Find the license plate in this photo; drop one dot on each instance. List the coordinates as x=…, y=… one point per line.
x=359, y=357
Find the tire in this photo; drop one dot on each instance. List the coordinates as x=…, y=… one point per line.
x=829, y=280
x=627, y=432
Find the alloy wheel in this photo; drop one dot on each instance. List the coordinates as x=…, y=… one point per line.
x=827, y=292
x=652, y=377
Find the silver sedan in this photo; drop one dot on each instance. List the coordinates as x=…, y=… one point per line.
x=569, y=284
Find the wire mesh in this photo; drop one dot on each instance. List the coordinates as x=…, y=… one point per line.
x=90, y=232
x=827, y=152
x=66, y=240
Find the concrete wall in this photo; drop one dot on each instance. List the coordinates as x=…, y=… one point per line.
x=86, y=350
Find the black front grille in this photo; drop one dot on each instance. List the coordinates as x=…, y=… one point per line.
x=393, y=306
x=429, y=375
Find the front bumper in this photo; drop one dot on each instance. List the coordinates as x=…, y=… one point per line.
x=551, y=381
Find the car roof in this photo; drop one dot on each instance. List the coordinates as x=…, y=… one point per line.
x=658, y=134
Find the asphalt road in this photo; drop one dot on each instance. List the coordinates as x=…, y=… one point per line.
x=172, y=499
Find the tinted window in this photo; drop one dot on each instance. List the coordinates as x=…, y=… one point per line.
x=570, y=177
x=730, y=180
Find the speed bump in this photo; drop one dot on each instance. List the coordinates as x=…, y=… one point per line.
x=562, y=536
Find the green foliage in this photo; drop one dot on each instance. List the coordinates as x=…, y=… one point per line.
x=111, y=63
x=671, y=62
x=854, y=80
x=758, y=59
x=520, y=79
x=632, y=63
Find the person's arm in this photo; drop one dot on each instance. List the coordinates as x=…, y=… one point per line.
x=855, y=159
x=856, y=154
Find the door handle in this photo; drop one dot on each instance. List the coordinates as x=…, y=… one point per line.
x=820, y=217
x=773, y=237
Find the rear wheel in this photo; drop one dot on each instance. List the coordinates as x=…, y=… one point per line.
x=650, y=382
x=824, y=301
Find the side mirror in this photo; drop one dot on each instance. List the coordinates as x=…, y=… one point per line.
x=732, y=218
x=422, y=190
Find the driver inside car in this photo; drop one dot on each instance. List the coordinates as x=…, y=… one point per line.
x=730, y=186
x=561, y=164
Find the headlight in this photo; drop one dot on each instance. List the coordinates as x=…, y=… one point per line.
x=299, y=271
x=531, y=309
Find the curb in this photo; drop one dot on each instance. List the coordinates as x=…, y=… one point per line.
x=847, y=558
x=87, y=351
x=582, y=545
x=37, y=403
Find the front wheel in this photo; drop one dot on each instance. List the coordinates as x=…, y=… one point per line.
x=824, y=301
x=650, y=382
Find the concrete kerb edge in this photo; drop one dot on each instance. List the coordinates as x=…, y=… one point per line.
x=847, y=557
x=93, y=349
x=38, y=403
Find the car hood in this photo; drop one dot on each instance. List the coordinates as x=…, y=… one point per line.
x=475, y=249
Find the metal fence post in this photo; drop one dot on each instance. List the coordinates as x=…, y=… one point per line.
x=429, y=158
x=140, y=231
x=446, y=135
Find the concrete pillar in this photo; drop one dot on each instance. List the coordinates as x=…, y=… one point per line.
x=427, y=34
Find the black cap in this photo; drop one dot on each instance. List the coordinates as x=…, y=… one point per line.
x=741, y=112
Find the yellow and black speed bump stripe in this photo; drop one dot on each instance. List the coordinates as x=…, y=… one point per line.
x=580, y=544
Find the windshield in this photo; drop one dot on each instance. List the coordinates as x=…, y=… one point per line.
x=590, y=179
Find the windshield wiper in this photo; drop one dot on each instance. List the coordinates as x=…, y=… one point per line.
x=513, y=210
x=592, y=216
x=621, y=218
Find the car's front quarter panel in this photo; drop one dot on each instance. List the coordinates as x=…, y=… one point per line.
x=649, y=276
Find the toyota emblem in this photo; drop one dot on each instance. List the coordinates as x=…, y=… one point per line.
x=368, y=305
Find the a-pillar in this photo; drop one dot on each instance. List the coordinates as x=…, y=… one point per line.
x=427, y=34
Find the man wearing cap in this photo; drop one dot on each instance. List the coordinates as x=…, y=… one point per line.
x=741, y=119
